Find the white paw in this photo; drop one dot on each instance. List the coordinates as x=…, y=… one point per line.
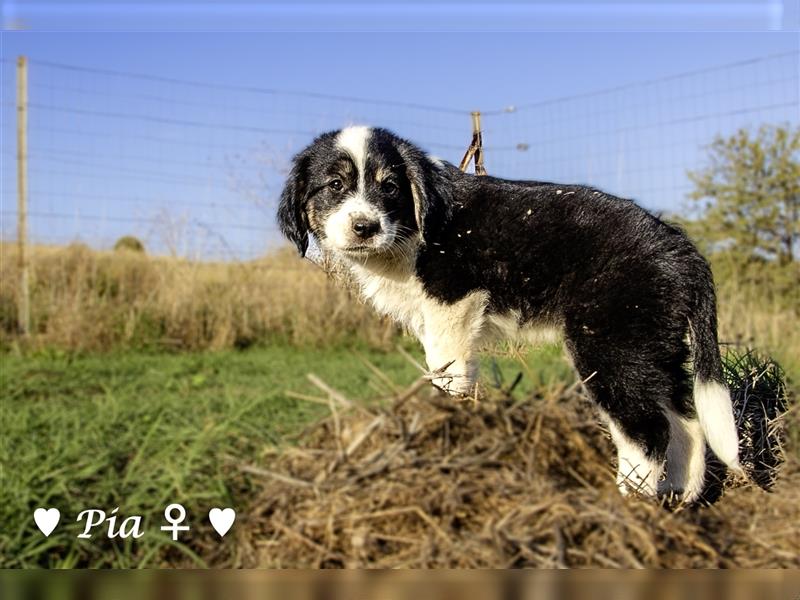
x=455, y=385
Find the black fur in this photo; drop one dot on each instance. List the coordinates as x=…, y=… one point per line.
x=624, y=285
x=292, y=215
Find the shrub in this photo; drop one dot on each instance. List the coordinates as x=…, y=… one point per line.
x=129, y=243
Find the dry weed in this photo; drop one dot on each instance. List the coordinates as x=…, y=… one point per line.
x=428, y=482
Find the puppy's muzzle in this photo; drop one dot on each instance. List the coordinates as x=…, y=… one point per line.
x=365, y=227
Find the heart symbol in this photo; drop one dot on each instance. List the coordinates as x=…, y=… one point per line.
x=46, y=519
x=221, y=519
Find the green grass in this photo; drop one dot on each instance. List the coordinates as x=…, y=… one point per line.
x=140, y=431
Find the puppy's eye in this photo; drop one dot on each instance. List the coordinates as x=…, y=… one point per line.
x=336, y=185
x=389, y=187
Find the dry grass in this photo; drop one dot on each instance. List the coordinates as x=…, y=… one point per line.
x=499, y=483
x=89, y=300
x=753, y=315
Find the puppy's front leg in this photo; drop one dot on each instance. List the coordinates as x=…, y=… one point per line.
x=450, y=334
x=460, y=366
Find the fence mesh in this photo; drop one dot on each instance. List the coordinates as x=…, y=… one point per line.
x=194, y=168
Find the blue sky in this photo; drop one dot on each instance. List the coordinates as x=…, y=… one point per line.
x=403, y=15
x=120, y=154
x=427, y=68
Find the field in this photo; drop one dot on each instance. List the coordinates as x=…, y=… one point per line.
x=142, y=430
x=152, y=381
x=89, y=301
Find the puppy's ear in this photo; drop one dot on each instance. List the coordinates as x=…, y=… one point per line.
x=430, y=189
x=292, y=216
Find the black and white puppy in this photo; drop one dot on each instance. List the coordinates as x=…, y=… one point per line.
x=462, y=260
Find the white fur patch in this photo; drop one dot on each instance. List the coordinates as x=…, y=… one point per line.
x=354, y=141
x=448, y=332
x=686, y=458
x=542, y=334
x=508, y=326
x=505, y=326
x=397, y=297
x=450, y=337
x=715, y=412
x=635, y=471
x=436, y=161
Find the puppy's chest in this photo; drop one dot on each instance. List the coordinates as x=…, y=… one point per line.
x=403, y=300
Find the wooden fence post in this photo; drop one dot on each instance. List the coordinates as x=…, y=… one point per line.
x=24, y=315
x=475, y=150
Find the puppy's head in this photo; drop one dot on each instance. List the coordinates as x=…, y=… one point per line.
x=361, y=192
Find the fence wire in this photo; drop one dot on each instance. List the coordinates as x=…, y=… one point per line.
x=195, y=168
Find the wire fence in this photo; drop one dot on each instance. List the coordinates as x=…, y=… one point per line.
x=195, y=168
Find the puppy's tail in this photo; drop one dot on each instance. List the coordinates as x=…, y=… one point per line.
x=712, y=399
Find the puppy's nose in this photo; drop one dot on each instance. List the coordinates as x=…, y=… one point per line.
x=365, y=227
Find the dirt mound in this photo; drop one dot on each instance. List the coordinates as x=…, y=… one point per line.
x=432, y=482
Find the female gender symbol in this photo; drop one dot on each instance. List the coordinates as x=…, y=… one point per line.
x=175, y=526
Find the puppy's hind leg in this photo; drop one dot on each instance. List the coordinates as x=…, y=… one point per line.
x=686, y=458
x=624, y=389
x=638, y=467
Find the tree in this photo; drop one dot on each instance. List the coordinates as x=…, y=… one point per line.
x=748, y=196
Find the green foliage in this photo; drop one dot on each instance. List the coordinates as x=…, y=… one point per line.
x=746, y=201
x=129, y=243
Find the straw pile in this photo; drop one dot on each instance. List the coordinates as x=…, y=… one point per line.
x=428, y=481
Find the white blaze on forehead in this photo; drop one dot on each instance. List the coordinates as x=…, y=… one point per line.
x=354, y=141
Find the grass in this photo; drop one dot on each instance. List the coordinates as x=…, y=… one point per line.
x=139, y=431
x=84, y=300
x=134, y=389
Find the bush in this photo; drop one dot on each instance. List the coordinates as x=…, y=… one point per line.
x=129, y=243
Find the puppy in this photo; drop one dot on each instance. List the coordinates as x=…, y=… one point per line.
x=462, y=260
